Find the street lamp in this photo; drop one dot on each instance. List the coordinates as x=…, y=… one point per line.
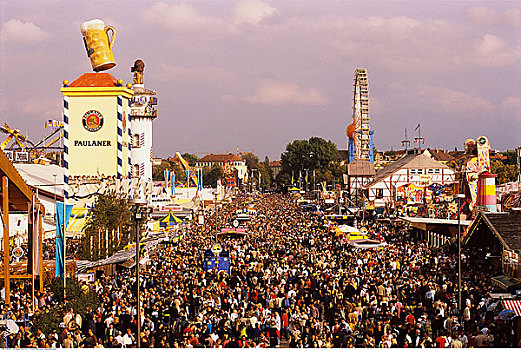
x=459, y=196
x=139, y=205
x=216, y=214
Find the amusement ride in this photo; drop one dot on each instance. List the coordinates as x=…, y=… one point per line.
x=359, y=133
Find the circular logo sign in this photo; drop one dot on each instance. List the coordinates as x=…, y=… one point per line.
x=18, y=252
x=92, y=120
x=235, y=223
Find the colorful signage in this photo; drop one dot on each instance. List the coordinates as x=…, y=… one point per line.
x=92, y=120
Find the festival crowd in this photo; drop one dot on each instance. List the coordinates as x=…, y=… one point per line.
x=293, y=283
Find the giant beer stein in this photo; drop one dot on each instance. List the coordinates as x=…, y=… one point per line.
x=98, y=45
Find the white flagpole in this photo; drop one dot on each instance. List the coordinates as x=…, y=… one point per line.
x=32, y=250
x=64, y=251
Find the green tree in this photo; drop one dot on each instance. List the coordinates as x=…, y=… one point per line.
x=157, y=170
x=267, y=166
x=108, y=227
x=190, y=158
x=211, y=175
x=168, y=164
x=251, y=160
x=505, y=172
x=511, y=157
x=315, y=153
x=283, y=179
x=265, y=176
x=77, y=299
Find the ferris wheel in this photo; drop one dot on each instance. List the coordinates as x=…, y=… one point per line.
x=359, y=133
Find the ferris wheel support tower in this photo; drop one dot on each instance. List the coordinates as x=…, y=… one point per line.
x=359, y=133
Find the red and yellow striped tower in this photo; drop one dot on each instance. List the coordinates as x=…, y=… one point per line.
x=487, y=199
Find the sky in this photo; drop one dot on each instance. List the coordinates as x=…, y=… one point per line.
x=255, y=75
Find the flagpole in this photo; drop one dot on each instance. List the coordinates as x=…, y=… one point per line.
x=64, y=250
x=32, y=251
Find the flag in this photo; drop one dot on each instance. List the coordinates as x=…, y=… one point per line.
x=417, y=127
x=167, y=177
x=172, y=181
x=35, y=242
x=60, y=236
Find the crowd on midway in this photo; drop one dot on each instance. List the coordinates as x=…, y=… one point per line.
x=293, y=283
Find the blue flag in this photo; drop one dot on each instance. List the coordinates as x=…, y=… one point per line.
x=60, y=237
x=172, y=180
x=167, y=176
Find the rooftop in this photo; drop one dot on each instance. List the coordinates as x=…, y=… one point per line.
x=441, y=155
x=410, y=161
x=95, y=80
x=220, y=158
x=360, y=167
x=505, y=226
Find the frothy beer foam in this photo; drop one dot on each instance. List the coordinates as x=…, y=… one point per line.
x=93, y=24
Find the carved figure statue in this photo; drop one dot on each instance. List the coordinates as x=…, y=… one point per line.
x=138, y=70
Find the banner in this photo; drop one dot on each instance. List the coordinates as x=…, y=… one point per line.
x=35, y=240
x=167, y=177
x=60, y=236
x=172, y=180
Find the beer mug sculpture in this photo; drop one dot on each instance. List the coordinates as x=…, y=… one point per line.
x=98, y=44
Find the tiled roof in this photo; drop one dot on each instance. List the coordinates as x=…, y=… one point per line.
x=410, y=161
x=95, y=80
x=504, y=226
x=276, y=163
x=360, y=167
x=220, y=158
x=440, y=155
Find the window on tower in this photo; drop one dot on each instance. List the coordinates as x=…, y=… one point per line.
x=135, y=170
x=136, y=141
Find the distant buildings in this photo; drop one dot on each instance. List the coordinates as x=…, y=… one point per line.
x=223, y=160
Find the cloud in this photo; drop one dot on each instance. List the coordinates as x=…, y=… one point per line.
x=16, y=31
x=49, y=108
x=204, y=74
x=482, y=15
x=277, y=92
x=179, y=18
x=252, y=12
x=512, y=107
x=513, y=17
x=451, y=101
x=492, y=51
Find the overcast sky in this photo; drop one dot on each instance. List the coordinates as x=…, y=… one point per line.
x=258, y=74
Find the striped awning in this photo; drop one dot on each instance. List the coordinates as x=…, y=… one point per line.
x=514, y=305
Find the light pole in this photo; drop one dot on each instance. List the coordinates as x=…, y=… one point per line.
x=139, y=205
x=459, y=196
x=216, y=209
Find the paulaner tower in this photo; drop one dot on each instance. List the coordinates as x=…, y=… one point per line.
x=96, y=108
x=96, y=112
x=142, y=114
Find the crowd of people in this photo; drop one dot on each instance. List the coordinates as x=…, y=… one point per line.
x=292, y=283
